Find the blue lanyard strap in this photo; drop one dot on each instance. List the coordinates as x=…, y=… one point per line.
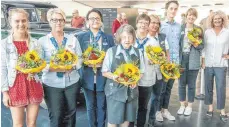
x=54, y=42
x=95, y=39
x=141, y=46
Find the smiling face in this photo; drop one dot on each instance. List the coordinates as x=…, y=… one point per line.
x=172, y=10
x=154, y=25
x=191, y=18
x=19, y=23
x=217, y=21
x=127, y=39
x=57, y=22
x=94, y=20
x=142, y=25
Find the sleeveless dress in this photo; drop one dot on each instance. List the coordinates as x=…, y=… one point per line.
x=24, y=92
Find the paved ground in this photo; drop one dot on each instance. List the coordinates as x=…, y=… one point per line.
x=197, y=119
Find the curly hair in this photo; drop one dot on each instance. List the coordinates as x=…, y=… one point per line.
x=222, y=15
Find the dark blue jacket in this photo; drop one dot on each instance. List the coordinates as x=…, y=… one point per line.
x=87, y=72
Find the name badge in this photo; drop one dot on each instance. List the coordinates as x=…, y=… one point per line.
x=105, y=43
x=118, y=57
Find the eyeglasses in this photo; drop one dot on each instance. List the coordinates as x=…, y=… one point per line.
x=158, y=23
x=57, y=20
x=144, y=23
x=93, y=19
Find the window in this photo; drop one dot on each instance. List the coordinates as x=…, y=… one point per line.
x=32, y=14
x=42, y=14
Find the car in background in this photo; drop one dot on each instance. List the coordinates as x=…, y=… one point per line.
x=38, y=23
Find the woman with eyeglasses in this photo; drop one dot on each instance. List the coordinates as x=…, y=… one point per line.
x=60, y=86
x=93, y=84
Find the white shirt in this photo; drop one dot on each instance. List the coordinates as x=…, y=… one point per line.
x=48, y=49
x=215, y=47
x=152, y=72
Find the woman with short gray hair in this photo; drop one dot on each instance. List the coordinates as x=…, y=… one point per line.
x=121, y=107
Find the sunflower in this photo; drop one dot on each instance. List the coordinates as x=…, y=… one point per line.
x=32, y=56
x=130, y=69
x=157, y=49
x=128, y=74
x=66, y=56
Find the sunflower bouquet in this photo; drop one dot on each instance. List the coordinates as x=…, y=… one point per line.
x=63, y=59
x=195, y=36
x=170, y=71
x=30, y=62
x=128, y=74
x=93, y=56
x=155, y=54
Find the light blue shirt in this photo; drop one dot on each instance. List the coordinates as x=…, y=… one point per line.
x=109, y=58
x=172, y=30
x=48, y=49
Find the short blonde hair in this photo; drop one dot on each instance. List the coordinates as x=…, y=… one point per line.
x=125, y=28
x=22, y=11
x=55, y=11
x=192, y=11
x=222, y=15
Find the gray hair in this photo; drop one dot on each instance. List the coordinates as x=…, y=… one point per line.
x=124, y=28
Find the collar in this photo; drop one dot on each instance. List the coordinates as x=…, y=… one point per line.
x=10, y=39
x=120, y=50
x=50, y=35
x=169, y=22
x=223, y=30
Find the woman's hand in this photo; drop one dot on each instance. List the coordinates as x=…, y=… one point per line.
x=132, y=86
x=97, y=65
x=195, y=45
x=203, y=65
x=115, y=78
x=225, y=56
x=56, y=70
x=6, y=99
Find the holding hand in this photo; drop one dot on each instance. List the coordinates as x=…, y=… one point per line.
x=6, y=99
x=225, y=56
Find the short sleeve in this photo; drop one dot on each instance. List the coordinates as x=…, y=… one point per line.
x=107, y=61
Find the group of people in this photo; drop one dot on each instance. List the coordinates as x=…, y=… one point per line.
x=104, y=95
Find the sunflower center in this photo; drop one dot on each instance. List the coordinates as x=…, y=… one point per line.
x=32, y=57
x=66, y=57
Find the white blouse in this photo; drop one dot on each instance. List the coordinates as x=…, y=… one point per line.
x=215, y=47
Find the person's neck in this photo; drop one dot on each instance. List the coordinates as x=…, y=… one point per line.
x=218, y=28
x=19, y=36
x=170, y=19
x=189, y=25
x=126, y=47
x=57, y=34
x=94, y=31
x=141, y=35
x=152, y=33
